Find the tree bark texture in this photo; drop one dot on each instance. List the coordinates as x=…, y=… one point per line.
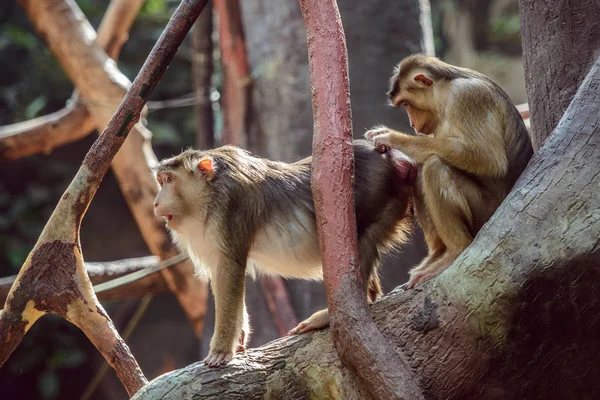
x=514, y=318
x=101, y=85
x=561, y=41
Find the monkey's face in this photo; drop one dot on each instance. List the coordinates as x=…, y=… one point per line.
x=414, y=93
x=181, y=194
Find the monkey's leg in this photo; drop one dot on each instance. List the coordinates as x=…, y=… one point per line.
x=318, y=320
x=445, y=193
x=228, y=288
x=369, y=257
x=435, y=246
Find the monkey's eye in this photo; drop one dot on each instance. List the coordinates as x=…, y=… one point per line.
x=169, y=179
x=160, y=182
x=404, y=103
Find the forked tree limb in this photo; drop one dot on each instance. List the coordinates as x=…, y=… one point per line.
x=515, y=317
x=53, y=278
x=74, y=122
x=358, y=341
x=101, y=84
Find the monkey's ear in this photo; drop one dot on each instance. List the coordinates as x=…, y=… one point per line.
x=205, y=166
x=423, y=79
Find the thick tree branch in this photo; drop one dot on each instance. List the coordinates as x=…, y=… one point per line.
x=74, y=122
x=515, y=317
x=359, y=343
x=53, y=278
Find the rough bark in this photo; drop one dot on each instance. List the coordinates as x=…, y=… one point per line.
x=515, y=317
x=360, y=345
x=53, y=278
x=101, y=84
x=43, y=134
x=99, y=272
x=560, y=43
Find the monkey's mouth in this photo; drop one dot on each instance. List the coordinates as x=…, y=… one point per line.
x=168, y=217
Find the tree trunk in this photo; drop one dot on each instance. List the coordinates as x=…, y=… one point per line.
x=515, y=317
x=560, y=43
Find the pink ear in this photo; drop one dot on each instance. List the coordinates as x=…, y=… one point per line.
x=205, y=166
x=424, y=80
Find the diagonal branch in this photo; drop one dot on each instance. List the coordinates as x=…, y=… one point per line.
x=53, y=278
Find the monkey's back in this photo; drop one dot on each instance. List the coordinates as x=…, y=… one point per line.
x=286, y=242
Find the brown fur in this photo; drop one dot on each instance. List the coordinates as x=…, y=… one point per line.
x=247, y=214
x=471, y=146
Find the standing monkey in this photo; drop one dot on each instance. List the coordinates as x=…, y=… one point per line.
x=237, y=214
x=471, y=146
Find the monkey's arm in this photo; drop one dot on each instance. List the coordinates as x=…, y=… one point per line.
x=227, y=282
x=455, y=151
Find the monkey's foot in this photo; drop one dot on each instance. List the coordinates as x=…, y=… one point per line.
x=318, y=320
x=217, y=359
x=419, y=276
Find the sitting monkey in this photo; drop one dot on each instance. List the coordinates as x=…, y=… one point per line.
x=237, y=214
x=471, y=146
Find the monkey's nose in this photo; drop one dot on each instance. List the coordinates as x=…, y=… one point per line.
x=155, y=204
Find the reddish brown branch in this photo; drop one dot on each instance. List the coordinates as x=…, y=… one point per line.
x=359, y=344
x=236, y=74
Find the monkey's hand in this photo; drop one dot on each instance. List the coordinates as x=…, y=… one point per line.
x=318, y=320
x=379, y=134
